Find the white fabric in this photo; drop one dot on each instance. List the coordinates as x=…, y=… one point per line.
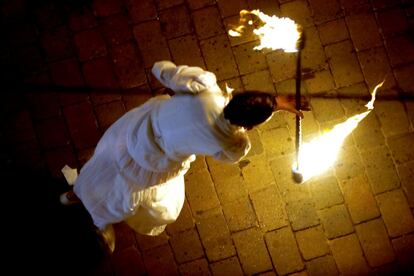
x=137, y=171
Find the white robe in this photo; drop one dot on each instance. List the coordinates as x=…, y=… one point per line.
x=137, y=171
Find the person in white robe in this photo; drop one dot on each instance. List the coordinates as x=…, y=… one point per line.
x=136, y=173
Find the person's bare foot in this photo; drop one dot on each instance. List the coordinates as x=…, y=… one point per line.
x=69, y=198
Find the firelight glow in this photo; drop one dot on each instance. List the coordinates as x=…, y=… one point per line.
x=274, y=32
x=316, y=156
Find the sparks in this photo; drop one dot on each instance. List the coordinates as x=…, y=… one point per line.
x=274, y=32
x=316, y=156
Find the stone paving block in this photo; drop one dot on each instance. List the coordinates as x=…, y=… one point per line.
x=320, y=82
x=348, y=255
x=66, y=73
x=230, y=266
x=260, y=81
x=200, y=192
x=84, y=155
x=278, y=120
x=268, y=7
x=106, y=7
x=363, y=30
x=327, y=109
x=404, y=79
x=312, y=242
x=98, y=74
x=406, y=173
x=336, y=222
x=257, y=173
x=218, y=57
x=229, y=187
x=234, y=83
x=301, y=214
x=380, y=169
x=401, y=148
x=29, y=59
x=58, y=137
x=392, y=21
x=128, y=66
x=333, y=31
x=256, y=143
x=215, y=235
x=163, y=4
x=349, y=163
x=185, y=50
x=400, y=49
x=82, y=19
x=270, y=208
x=43, y=105
x=282, y=65
x=196, y=4
x=368, y=133
x=395, y=213
x=82, y=125
x=239, y=214
x=252, y=251
x=128, y=262
x=248, y=59
x=57, y=44
x=160, y=261
x=175, y=21
x=231, y=7
x=313, y=56
x=322, y=266
x=186, y=246
x=404, y=248
x=288, y=87
x=388, y=119
x=344, y=64
x=325, y=11
x=146, y=243
x=116, y=29
x=108, y=113
x=355, y=6
x=151, y=42
x=282, y=171
x=350, y=98
x=383, y=4
x=207, y=22
x=184, y=221
x=410, y=112
x=136, y=96
x=376, y=68
x=359, y=199
x=99, y=97
x=58, y=158
x=277, y=142
x=142, y=10
x=325, y=192
x=284, y=251
x=197, y=267
x=299, y=11
x=90, y=44
x=375, y=243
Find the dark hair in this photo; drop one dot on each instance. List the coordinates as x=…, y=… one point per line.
x=250, y=108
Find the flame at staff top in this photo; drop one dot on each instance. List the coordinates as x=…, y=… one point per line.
x=274, y=32
x=318, y=155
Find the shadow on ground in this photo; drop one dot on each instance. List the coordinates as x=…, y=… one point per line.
x=44, y=236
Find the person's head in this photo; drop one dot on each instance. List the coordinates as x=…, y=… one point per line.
x=250, y=108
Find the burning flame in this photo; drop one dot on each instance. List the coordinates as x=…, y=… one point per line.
x=274, y=32
x=318, y=155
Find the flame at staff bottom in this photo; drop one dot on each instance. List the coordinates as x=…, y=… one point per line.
x=316, y=156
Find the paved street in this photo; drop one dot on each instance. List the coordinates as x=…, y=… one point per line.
x=71, y=68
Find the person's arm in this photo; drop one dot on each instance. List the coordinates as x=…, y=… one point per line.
x=288, y=103
x=236, y=151
x=184, y=79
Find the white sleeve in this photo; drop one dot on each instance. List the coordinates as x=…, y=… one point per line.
x=184, y=79
x=235, y=152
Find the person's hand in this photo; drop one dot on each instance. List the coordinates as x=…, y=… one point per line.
x=288, y=103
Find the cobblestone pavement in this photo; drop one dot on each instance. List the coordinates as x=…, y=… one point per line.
x=85, y=63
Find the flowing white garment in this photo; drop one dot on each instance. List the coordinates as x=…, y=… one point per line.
x=137, y=171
